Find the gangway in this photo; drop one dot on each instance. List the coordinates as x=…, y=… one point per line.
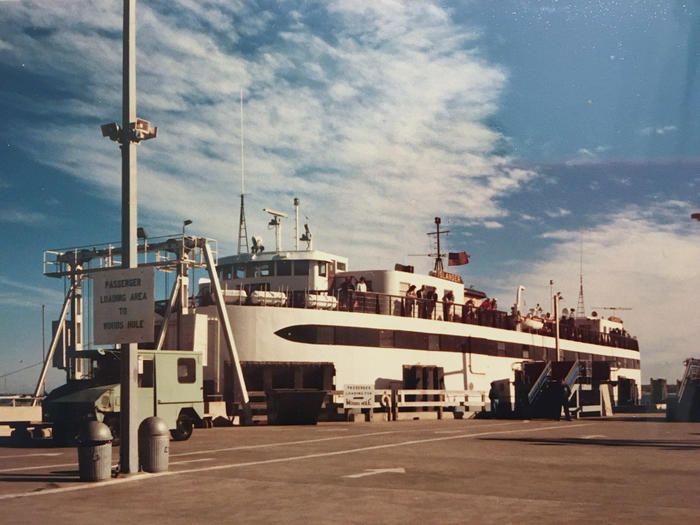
x=544, y=397
x=686, y=406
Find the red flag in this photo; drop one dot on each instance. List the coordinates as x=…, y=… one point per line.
x=457, y=258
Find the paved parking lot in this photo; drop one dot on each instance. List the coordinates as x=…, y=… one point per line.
x=450, y=471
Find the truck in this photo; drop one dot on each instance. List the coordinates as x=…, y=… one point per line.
x=170, y=386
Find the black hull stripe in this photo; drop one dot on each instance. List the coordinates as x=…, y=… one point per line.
x=379, y=338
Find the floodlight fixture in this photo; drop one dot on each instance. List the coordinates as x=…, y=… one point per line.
x=142, y=129
x=111, y=130
x=141, y=233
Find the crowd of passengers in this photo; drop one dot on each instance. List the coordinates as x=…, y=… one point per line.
x=425, y=303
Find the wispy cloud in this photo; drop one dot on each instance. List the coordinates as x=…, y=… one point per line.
x=372, y=112
x=555, y=214
x=27, y=296
x=662, y=130
x=19, y=216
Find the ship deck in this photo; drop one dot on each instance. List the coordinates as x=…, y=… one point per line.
x=450, y=471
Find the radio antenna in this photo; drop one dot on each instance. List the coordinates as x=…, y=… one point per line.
x=242, y=229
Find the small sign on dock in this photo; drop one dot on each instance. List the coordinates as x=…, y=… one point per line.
x=358, y=396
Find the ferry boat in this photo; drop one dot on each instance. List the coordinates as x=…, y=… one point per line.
x=308, y=307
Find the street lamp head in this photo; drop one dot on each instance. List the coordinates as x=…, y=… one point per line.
x=141, y=233
x=186, y=222
x=144, y=130
x=111, y=130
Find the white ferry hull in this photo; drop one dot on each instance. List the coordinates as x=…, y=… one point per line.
x=266, y=334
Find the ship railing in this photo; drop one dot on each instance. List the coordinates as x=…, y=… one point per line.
x=402, y=306
x=395, y=403
x=18, y=400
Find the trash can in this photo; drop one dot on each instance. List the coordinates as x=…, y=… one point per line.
x=95, y=452
x=154, y=445
x=294, y=406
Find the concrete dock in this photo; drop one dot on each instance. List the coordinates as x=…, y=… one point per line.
x=450, y=471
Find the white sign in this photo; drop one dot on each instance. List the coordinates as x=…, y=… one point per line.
x=358, y=396
x=123, y=310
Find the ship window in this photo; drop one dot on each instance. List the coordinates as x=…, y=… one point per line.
x=433, y=342
x=413, y=340
x=322, y=269
x=146, y=376
x=325, y=335
x=284, y=268
x=386, y=338
x=501, y=348
x=239, y=271
x=226, y=272
x=526, y=352
x=263, y=269
x=301, y=267
x=341, y=266
x=186, y=370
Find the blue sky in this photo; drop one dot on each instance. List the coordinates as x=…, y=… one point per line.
x=534, y=128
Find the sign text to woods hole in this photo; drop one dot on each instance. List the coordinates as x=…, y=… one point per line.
x=123, y=306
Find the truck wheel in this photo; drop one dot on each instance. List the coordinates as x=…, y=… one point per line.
x=183, y=428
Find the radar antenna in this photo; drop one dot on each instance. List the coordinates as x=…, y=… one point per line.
x=242, y=228
x=276, y=224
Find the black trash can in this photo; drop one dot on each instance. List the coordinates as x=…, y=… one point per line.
x=95, y=452
x=294, y=406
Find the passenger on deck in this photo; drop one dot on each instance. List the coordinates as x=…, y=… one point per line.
x=447, y=301
x=410, y=301
x=422, y=296
x=361, y=285
x=430, y=304
x=344, y=297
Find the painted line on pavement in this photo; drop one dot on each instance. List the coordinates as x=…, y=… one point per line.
x=288, y=459
x=46, y=454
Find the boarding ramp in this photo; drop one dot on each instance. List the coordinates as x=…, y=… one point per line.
x=544, y=396
x=686, y=406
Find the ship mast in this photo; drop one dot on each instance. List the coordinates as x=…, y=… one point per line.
x=242, y=229
x=438, y=256
x=580, y=308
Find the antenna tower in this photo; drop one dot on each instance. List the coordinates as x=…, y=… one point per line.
x=580, y=308
x=242, y=229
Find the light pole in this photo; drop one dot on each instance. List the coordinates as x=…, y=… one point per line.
x=556, y=298
x=132, y=131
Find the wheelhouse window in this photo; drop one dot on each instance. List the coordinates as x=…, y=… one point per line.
x=226, y=273
x=284, y=268
x=341, y=266
x=262, y=269
x=301, y=267
x=322, y=270
x=239, y=271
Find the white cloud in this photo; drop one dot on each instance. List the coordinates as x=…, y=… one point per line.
x=378, y=128
x=644, y=259
x=662, y=130
x=559, y=212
